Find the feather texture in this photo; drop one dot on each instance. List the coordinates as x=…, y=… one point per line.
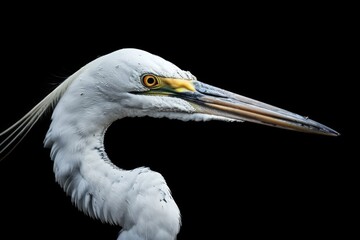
x=18, y=131
x=113, y=87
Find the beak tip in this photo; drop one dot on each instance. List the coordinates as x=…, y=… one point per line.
x=336, y=134
x=331, y=132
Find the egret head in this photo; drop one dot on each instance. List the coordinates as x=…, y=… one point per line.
x=135, y=83
x=132, y=83
x=148, y=85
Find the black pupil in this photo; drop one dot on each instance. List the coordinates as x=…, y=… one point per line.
x=150, y=80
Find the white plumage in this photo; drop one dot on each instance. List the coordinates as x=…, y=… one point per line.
x=110, y=88
x=138, y=200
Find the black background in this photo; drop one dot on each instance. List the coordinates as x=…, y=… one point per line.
x=230, y=180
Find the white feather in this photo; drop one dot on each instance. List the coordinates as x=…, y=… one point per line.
x=87, y=102
x=15, y=133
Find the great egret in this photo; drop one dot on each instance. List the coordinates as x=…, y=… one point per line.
x=132, y=83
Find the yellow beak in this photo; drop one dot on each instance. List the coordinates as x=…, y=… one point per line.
x=211, y=100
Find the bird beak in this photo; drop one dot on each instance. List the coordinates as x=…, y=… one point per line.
x=211, y=100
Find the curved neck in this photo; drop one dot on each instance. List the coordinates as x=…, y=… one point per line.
x=81, y=165
x=98, y=187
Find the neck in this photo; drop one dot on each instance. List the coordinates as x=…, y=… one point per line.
x=81, y=165
x=98, y=187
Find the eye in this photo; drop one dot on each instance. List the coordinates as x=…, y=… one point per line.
x=150, y=81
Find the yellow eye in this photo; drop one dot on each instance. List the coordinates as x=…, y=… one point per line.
x=150, y=81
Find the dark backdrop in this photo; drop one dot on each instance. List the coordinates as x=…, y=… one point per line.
x=230, y=180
